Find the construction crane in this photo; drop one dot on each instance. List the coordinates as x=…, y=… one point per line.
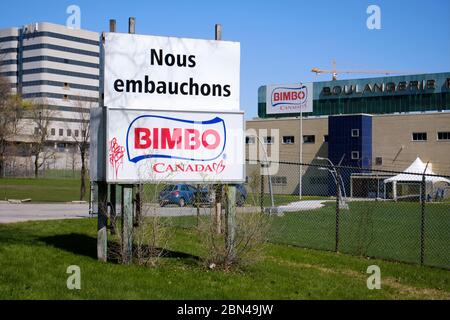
x=335, y=72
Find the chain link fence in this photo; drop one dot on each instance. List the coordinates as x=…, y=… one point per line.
x=381, y=214
x=372, y=213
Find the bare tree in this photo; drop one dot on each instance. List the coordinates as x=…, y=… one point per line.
x=10, y=113
x=41, y=117
x=81, y=138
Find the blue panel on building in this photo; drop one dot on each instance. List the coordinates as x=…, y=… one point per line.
x=350, y=143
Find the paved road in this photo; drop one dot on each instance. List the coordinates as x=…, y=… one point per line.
x=10, y=213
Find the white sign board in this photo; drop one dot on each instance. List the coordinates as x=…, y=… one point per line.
x=155, y=146
x=291, y=98
x=165, y=73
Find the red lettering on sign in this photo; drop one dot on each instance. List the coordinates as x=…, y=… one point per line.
x=142, y=138
x=164, y=138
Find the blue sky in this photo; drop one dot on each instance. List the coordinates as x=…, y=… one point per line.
x=280, y=40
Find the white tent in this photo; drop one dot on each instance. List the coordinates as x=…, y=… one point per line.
x=408, y=175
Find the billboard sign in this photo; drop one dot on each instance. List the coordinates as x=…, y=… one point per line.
x=155, y=146
x=152, y=72
x=291, y=98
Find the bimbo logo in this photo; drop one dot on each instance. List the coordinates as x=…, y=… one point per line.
x=151, y=136
x=289, y=96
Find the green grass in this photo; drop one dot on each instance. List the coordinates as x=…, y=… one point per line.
x=34, y=257
x=41, y=189
x=378, y=229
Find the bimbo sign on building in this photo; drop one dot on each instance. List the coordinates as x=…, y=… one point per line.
x=172, y=110
x=293, y=98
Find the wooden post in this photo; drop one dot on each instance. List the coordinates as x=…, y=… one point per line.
x=112, y=213
x=102, y=194
x=102, y=235
x=127, y=223
x=112, y=25
x=139, y=201
x=218, y=198
x=218, y=33
x=231, y=221
x=132, y=25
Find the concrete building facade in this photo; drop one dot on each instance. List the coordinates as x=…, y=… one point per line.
x=59, y=68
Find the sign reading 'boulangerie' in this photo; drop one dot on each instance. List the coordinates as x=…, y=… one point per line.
x=169, y=73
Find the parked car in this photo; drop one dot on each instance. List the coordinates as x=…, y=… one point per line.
x=241, y=194
x=180, y=194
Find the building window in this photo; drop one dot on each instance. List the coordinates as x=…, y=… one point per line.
x=53, y=131
x=325, y=138
x=250, y=140
x=83, y=133
x=69, y=132
x=268, y=140
x=355, y=133
x=443, y=136
x=279, y=181
x=76, y=133
x=61, y=132
x=309, y=139
x=288, y=139
x=419, y=136
x=378, y=161
x=36, y=130
x=355, y=155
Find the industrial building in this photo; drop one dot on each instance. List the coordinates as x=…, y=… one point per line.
x=382, y=123
x=58, y=67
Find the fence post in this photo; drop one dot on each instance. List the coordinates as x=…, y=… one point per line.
x=262, y=190
x=422, y=220
x=338, y=202
x=197, y=204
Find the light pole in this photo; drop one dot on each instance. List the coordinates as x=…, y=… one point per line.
x=300, y=187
